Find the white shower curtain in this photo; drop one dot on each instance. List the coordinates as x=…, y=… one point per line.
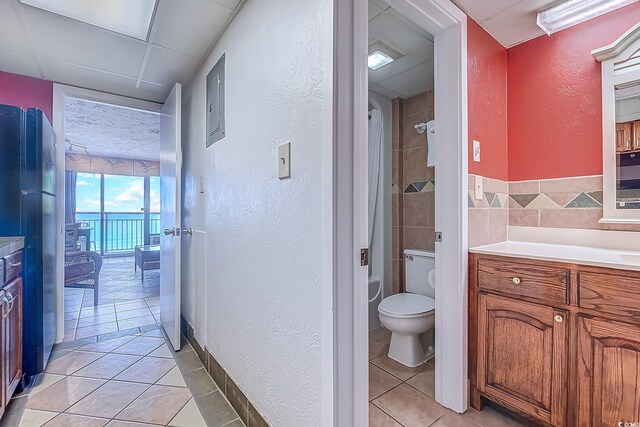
x=375, y=147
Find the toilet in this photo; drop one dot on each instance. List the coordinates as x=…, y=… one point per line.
x=410, y=315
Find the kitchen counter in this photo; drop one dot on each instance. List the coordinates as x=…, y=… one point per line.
x=9, y=245
x=598, y=257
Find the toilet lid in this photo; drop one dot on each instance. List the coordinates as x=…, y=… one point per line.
x=406, y=304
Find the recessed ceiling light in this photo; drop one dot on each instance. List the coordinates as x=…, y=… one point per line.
x=131, y=18
x=574, y=12
x=381, y=54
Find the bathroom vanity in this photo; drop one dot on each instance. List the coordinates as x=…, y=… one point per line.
x=554, y=332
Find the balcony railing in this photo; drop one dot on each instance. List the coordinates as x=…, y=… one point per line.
x=117, y=232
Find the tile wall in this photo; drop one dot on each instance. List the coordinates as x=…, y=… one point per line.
x=488, y=216
x=413, y=198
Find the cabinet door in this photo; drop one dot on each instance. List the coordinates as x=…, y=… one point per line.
x=3, y=355
x=623, y=136
x=12, y=358
x=636, y=135
x=522, y=352
x=608, y=373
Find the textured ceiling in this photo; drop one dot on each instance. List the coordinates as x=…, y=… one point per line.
x=41, y=44
x=112, y=131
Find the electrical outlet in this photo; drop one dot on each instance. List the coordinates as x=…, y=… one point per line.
x=476, y=151
x=478, y=187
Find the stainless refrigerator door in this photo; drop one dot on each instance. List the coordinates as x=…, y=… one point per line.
x=49, y=274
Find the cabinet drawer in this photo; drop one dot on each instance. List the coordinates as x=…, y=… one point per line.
x=610, y=292
x=13, y=266
x=527, y=280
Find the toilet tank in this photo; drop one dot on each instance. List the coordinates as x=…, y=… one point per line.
x=417, y=266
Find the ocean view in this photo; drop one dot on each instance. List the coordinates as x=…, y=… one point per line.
x=123, y=230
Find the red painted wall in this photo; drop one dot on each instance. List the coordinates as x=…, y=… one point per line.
x=487, y=92
x=554, y=99
x=26, y=92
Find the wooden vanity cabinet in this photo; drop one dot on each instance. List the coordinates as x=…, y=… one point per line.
x=560, y=362
x=10, y=327
x=624, y=136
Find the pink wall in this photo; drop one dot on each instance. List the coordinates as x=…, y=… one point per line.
x=554, y=99
x=487, y=81
x=26, y=92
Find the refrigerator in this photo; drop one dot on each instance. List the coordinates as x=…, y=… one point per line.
x=27, y=208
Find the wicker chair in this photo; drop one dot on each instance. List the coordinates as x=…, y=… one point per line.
x=82, y=270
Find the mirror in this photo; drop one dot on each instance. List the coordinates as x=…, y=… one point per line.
x=628, y=148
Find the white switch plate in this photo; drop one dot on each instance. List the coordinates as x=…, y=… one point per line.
x=479, y=190
x=201, y=184
x=476, y=151
x=284, y=160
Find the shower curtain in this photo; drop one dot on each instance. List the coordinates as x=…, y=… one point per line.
x=375, y=147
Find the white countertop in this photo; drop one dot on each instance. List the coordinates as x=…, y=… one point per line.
x=610, y=258
x=9, y=245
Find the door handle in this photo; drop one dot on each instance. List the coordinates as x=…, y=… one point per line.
x=169, y=231
x=188, y=231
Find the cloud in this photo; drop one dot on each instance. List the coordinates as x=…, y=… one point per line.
x=82, y=183
x=133, y=193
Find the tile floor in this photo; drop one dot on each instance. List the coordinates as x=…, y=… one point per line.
x=124, y=301
x=134, y=380
x=404, y=397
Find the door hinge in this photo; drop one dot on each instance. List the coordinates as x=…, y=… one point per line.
x=364, y=257
x=438, y=236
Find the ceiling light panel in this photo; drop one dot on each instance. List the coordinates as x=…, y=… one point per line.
x=574, y=12
x=131, y=18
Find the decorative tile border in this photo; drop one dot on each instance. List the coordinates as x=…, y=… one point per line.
x=420, y=187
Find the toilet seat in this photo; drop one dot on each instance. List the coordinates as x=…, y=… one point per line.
x=406, y=305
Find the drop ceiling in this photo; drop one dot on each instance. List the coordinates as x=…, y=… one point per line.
x=107, y=130
x=510, y=22
x=41, y=44
x=412, y=73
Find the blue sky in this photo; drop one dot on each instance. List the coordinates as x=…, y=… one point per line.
x=122, y=193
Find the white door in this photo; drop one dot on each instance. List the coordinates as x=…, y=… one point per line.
x=170, y=212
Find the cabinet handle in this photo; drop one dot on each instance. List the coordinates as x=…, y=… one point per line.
x=10, y=300
x=16, y=264
x=516, y=280
x=5, y=302
x=558, y=318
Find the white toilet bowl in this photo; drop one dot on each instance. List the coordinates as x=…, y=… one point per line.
x=408, y=316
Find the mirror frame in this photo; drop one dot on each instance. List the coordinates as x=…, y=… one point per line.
x=620, y=69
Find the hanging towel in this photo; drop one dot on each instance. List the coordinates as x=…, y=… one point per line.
x=431, y=143
x=375, y=146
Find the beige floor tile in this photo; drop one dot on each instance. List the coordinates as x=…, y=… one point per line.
x=129, y=314
x=68, y=420
x=107, y=366
x=43, y=381
x=153, y=302
x=71, y=362
x=454, y=420
x=99, y=329
x=380, y=381
x=97, y=319
x=147, y=370
x=173, y=378
x=154, y=333
x=425, y=381
x=490, y=418
x=189, y=416
x=69, y=335
x=410, y=407
x=158, y=405
x=108, y=400
x=35, y=418
x=136, y=322
x=397, y=369
x=377, y=418
x=119, y=423
x=107, y=346
x=130, y=305
x=140, y=346
x=376, y=348
x=162, y=351
x=97, y=310
x=63, y=394
x=383, y=335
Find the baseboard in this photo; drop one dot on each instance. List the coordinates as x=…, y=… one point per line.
x=243, y=406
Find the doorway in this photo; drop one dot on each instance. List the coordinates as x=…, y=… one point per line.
x=108, y=170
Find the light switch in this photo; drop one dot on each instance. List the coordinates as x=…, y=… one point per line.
x=201, y=184
x=476, y=151
x=479, y=190
x=284, y=157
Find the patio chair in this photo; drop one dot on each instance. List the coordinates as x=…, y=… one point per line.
x=71, y=237
x=82, y=270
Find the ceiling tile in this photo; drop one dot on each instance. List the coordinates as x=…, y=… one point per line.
x=152, y=91
x=383, y=91
x=168, y=66
x=231, y=4
x=373, y=11
x=382, y=4
x=18, y=63
x=75, y=42
x=481, y=10
x=75, y=75
x=413, y=81
x=189, y=27
x=11, y=32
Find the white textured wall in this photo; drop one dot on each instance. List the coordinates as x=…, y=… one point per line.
x=252, y=271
